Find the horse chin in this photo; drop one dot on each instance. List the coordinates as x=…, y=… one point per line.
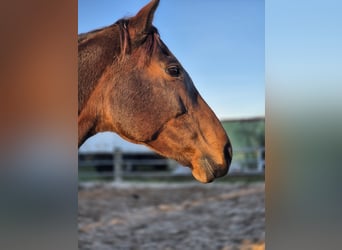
x=203, y=175
x=206, y=170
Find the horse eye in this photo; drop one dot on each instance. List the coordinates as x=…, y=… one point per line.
x=173, y=71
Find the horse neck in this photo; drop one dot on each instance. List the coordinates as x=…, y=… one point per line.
x=96, y=51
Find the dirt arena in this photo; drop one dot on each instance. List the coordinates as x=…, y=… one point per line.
x=194, y=216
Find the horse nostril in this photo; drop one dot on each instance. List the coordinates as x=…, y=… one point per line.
x=228, y=153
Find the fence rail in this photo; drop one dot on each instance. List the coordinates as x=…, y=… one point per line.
x=246, y=161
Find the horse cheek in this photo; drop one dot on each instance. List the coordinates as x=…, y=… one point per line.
x=136, y=112
x=155, y=110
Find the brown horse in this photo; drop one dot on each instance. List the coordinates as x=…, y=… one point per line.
x=131, y=84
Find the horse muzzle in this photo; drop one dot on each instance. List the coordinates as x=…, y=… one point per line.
x=207, y=169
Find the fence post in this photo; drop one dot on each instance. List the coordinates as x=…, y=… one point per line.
x=260, y=159
x=117, y=162
x=169, y=163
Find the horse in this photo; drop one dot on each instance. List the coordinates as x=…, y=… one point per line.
x=130, y=83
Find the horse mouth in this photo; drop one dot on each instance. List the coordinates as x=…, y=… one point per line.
x=207, y=171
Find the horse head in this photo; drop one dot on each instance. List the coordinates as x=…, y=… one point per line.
x=147, y=97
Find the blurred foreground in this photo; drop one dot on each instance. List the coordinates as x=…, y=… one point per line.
x=172, y=216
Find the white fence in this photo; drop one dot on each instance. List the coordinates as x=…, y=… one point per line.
x=246, y=161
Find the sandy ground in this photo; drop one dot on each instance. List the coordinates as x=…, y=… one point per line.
x=172, y=216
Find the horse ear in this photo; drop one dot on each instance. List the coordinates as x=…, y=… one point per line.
x=141, y=23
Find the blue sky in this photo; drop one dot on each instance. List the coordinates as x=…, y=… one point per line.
x=219, y=42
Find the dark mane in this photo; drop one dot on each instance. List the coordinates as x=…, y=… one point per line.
x=146, y=46
x=83, y=36
x=149, y=43
x=96, y=50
